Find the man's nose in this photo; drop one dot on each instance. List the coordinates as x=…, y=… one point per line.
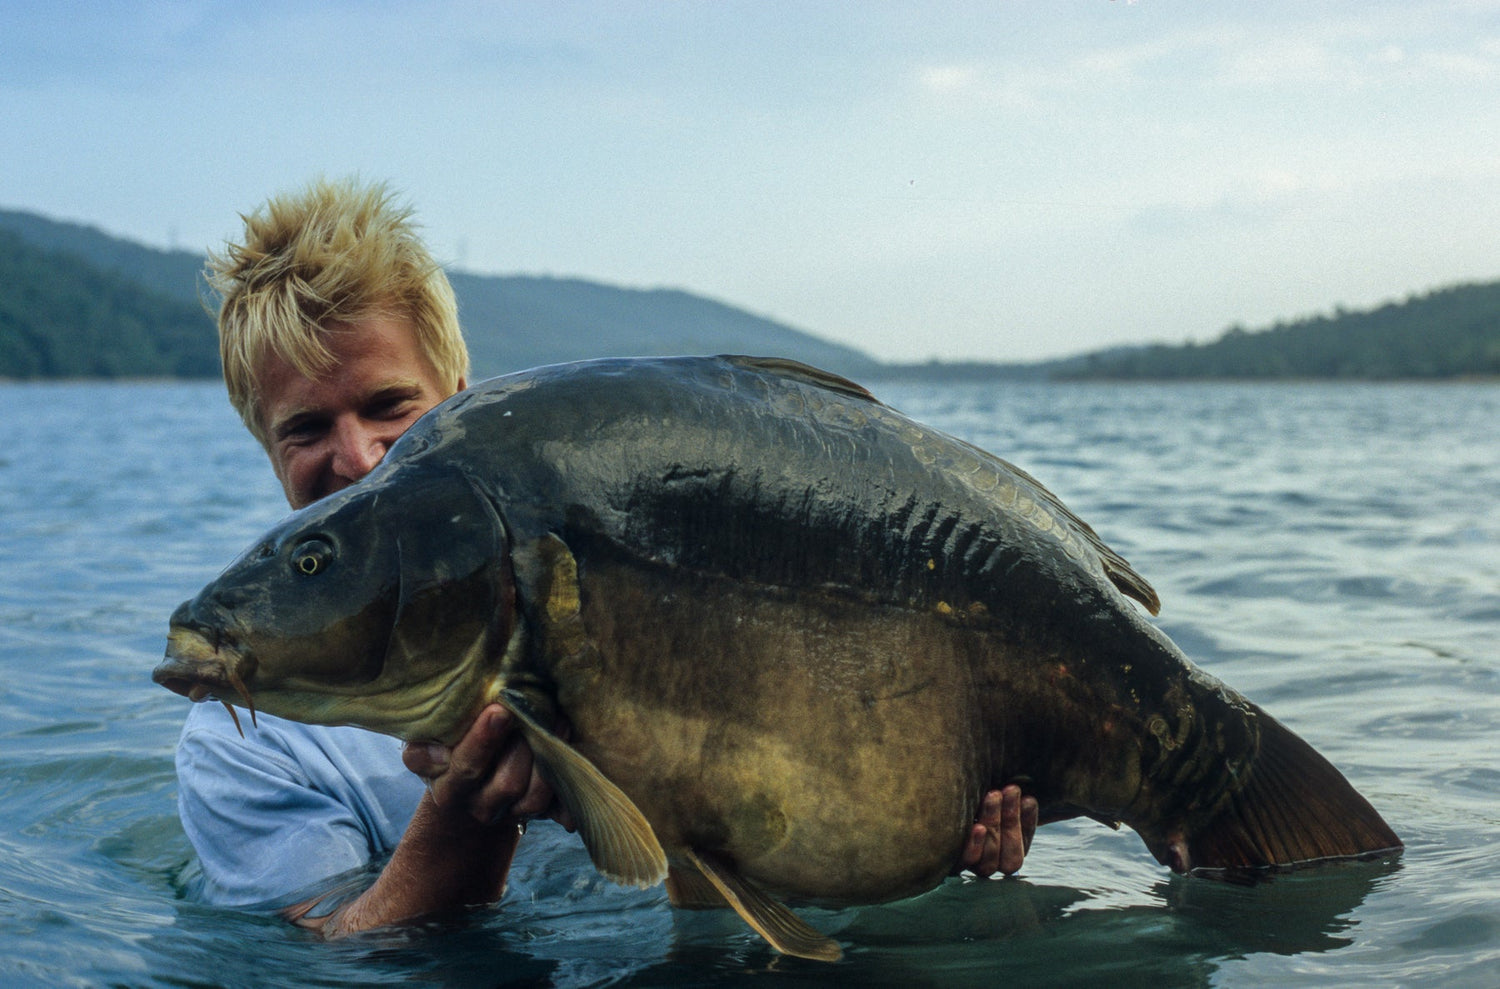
x=357, y=448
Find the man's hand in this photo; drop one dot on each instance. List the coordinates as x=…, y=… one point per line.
x=1000, y=839
x=488, y=775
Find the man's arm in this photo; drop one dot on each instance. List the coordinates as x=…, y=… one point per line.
x=445, y=862
x=457, y=851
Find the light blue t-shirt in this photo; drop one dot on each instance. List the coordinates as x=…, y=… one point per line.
x=289, y=806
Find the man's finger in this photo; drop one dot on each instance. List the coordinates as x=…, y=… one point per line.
x=981, y=852
x=538, y=798
x=428, y=760
x=1012, y=842
x=506, y=786
x=973, y=850
x=1029, y=812
x=473, y=758
x=991, y=810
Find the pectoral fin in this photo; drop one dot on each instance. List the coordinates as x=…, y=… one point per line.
x=616, y=833
x=786, y=932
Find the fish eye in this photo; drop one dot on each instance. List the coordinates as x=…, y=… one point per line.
x=311, y=557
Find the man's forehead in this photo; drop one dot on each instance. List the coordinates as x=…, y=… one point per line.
x=359, y=363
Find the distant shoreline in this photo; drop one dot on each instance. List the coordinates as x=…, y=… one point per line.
x=895, y=378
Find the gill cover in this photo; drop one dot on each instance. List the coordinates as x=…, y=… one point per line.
x=386, y=605
x=455, y=602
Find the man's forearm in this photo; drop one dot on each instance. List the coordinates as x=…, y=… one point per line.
x=444, y=863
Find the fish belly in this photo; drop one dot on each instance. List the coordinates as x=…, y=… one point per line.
x=829, y=748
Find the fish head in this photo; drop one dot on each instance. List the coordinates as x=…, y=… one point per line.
x=388, y=605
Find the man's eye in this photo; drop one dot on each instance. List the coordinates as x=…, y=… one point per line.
x=393, y=408
x=302, y=432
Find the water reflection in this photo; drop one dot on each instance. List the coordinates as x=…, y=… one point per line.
x=964, y=933
x=1043, y=935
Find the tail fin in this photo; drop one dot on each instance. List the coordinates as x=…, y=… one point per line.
x=1296, y=810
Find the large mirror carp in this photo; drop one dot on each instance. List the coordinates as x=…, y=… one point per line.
x=760, y=598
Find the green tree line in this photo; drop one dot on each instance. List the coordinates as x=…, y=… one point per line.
x=1449, y=333
x=61, y=317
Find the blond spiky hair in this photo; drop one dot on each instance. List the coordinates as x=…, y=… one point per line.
x=333, y=252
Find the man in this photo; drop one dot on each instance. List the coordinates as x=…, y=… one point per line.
x=337, y=331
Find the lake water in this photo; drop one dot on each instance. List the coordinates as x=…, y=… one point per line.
x=1333, y=551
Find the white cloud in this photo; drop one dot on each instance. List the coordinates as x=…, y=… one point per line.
x=946, y=79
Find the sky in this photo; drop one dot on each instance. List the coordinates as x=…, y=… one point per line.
x=1003, y=181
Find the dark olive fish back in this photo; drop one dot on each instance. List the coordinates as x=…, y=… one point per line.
x=765, y=470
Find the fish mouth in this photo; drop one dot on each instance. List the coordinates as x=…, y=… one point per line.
x=201, y=670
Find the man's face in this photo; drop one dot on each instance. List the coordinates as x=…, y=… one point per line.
x=325, y=433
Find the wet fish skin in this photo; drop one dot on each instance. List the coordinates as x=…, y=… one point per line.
x=767, y=604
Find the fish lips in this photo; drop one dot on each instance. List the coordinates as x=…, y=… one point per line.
x=203, y=669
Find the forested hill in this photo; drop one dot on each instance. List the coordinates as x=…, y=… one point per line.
x=519, y=321
x=75, y=302
x=1449, y=333
x=61, y=317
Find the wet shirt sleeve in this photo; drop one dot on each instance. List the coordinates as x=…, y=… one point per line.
x=287, y=807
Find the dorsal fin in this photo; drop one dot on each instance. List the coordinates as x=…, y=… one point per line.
x=807, y=374
x=1120, y=572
